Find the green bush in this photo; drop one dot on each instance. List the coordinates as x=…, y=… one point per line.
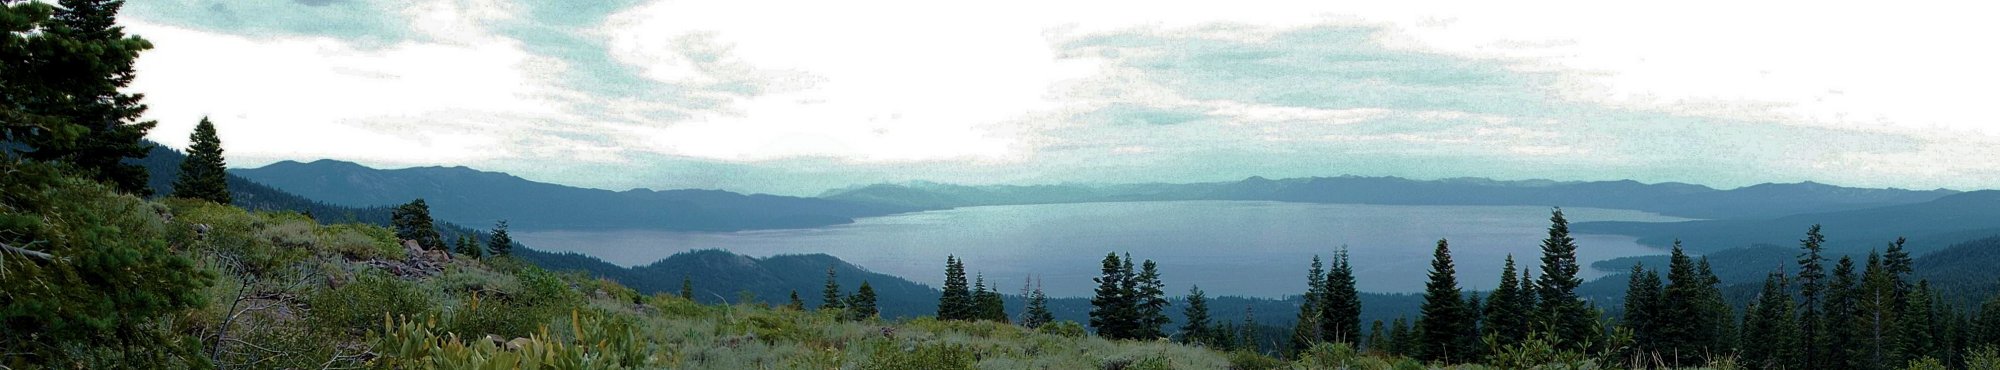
x=1248, y=360
x=98, y=276
x=360, y=305
x=932, y=356
x=1328, y=356
x=361, y=242
x=1069, y=329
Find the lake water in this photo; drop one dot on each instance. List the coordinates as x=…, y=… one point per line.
x=1242, y=248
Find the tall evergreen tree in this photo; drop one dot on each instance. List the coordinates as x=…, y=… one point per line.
x=1916, y=325
x=1683, y=334
x=77, y=83
x=687, y=287
x=986, y=303
x=1896, y=261
x=500, y=244
x=1718, y=330
x=1252, y=340
x=956, y=302
x=1340, y=320
x=830, y=298
x=1152, y=301
x=1195, y=326
x=795, y=303
x=1113, y=311
x=1038, y=310
x=1506, y=318
x=413, y=222
x=1445, y=324
x=1875, y=305
x=1401, y=341
x=1643, y=309
x=1812, y=276
x=861, y=305
x=1378, y=339
x=1770, y=333
x=1843, y=340
x=1306, y=330
x=1572, y=322
x=467, y=246
x=203, y=173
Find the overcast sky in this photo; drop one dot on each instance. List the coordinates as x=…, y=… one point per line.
x=797, y=98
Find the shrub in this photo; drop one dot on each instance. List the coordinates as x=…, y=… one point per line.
x=1069, y=329
x=934, y=356
x=96, y=275
x=361, y=304
x=1249, y=360
x=1327, y=356
x=361, y=242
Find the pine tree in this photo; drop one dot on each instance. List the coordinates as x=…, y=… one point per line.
x=413, y=222
x=1152, y=301
x=687, y=288
x=1896, y=261
x=861, y=305
x=1643, y=309
x=1812, y=276
x=1770, y=334
x=987, y=303
x=1306, y=330
x=1573, y=323
x=500, y=244
x=80, y=87
x=1340, y=320
x=1444, y=324
x=1916, y=331
x=1038, y=310
x=956, y=302
x=1400, y=339
x=1194, y=324
x=467, y=246
x=1719, y=331
x=1875, y=306
x=1113, y=311
x=1842, y=318
x=1986, y=328
x=795, y=303
x=1505, y=316
x=1252, y=340
x=1684, y=332
x=1378, y=339
x=203, y=173
x=830, y=298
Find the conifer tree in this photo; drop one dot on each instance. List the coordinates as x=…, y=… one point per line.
x=1038, y=310
x=1684, y=332
x=1812, y=276
x=78, y=86
x=1718, y=332
x=1573, y=323
x=1195, y=321
x=500, y=244
x=1986, y=328
x=1306, y=329
x=1152, y=301
x=861, y=305
x=1842, y=317
x=1251, y=338
x=1340, y=319
x=1445, y=325
x=956, y=302
x=987, y=304
x=1876, y=304
x=1378, y=339
x=1916, y=330
x=1643, y=306
x=1400, y=339
x=413, y=222
x=1770, y=333
x=795, y=303
x=203, y=173
x=830, y=298
x=1506, y=317
x=1113, y=310
x=467, y=246
x=687, y=288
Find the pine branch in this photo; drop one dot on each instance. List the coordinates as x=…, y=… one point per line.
x=27, y=252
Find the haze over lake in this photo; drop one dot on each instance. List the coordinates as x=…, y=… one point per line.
x=1246, y=248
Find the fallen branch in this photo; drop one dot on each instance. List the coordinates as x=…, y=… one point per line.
x=27, y=252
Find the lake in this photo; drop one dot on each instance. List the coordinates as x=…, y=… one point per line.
x=1242, y=248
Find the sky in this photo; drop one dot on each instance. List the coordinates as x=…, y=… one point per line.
x=798, y=98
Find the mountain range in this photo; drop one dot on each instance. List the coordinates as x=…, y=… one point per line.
x=474, y=197
x=1672, y=199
